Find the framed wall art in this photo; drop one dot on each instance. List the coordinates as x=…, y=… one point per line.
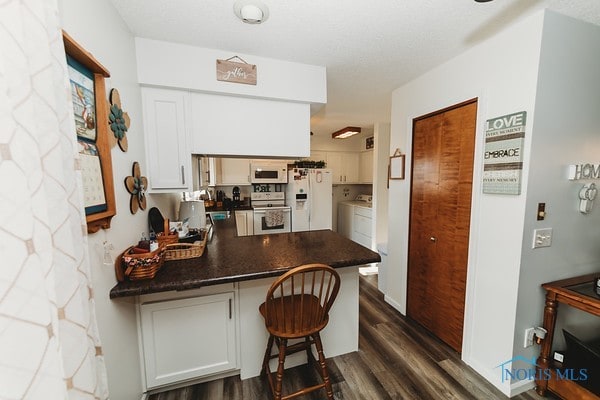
x=88, y=93
x=396, y=170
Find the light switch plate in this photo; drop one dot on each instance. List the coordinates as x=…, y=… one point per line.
x=542, y=238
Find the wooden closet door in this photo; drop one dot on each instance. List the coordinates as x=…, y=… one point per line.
x=424, y=212
x=442, y=175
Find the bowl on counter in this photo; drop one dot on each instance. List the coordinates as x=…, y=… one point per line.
x=193, y=236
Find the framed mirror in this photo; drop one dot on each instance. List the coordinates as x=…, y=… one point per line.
x=88, y=92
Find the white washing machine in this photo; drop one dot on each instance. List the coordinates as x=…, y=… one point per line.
x=355, y=219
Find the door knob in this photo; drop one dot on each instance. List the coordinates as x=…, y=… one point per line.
x=433, y=239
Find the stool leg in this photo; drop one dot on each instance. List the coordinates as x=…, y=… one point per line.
x=308, y=344
x=267, y=357
x=324, y=373
x=279, y=376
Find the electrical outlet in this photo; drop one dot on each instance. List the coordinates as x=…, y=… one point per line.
x=558, y=356
x=542, y=238
x=528, y=337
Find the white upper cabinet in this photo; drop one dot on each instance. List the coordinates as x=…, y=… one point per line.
x=204, y=171
x=233, y=171
x=166, y=137
x=344, y=165
x=230, y=125
x=366, y=167
x=269, y=119
x=350, y=167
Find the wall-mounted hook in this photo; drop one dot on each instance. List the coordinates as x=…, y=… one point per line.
x=587, y=194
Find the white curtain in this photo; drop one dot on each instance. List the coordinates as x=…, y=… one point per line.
x=49, y=345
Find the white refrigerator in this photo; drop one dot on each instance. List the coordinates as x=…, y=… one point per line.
x=309, y=194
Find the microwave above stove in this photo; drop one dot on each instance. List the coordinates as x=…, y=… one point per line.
x=272, y=172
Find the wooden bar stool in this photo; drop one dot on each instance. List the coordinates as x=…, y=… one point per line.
x=297, y=307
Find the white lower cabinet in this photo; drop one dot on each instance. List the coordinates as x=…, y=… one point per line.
x=244, y=222
x=355, y=223
x=345, y=219
x=361, y=226
x=187, y=338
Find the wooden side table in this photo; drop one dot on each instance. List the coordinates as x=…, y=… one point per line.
x=573, y=292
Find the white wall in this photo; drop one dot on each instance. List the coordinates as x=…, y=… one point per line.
x=565, y=132
x=502, y=73
x=96, y=26
x=380, y=181
x=194, y=68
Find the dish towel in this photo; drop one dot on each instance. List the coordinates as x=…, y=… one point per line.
x=273, y=218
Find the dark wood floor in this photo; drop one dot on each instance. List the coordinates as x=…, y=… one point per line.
x=397, y=359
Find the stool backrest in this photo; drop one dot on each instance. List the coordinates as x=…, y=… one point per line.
x=299, y=301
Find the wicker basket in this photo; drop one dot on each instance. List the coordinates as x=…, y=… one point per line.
x=182, y=251
x=142, y=265
x=167, y=238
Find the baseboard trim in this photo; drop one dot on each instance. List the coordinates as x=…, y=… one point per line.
x=394, y=304
x=509, y=389
x=492, y=376
x=520, y=387
x=190, y=382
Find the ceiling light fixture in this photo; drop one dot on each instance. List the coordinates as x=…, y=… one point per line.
x=251, y=11
x=346, y=132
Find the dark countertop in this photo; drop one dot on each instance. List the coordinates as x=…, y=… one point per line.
x=239, y=207
x=228, y=258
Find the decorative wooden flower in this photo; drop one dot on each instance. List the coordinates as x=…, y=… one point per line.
x=118, y=120
x=136, y=185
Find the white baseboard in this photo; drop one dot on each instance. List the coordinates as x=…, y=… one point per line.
x=520, y=387
x=394, y=304
x=492, y=376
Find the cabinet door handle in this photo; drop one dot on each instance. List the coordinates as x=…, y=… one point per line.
x=229, y=308
x=433, y=239
x=183, y=174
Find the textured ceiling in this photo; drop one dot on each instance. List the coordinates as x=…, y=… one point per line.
x=369, y=47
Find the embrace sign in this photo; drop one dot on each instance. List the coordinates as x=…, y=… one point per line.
x=530, y=372
x=503, y=155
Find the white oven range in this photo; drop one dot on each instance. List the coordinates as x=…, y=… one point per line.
x=271, y=215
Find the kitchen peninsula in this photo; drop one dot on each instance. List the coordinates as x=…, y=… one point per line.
x=198, y=318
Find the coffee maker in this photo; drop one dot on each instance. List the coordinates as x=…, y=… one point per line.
x=236, y=195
